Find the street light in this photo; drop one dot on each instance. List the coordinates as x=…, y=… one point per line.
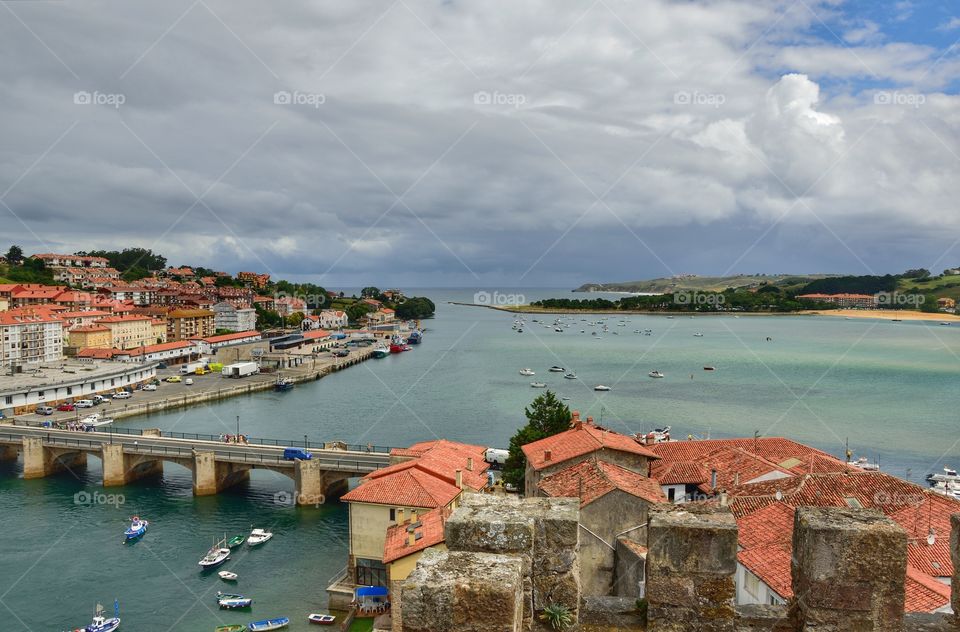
x=305, y=441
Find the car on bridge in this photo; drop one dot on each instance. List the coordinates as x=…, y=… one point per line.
x=292, y=454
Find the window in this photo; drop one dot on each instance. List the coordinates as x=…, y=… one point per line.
x=69, y=390
x=8, y=399
x=672, y=494
x=393, y=514
x=371, y=573
x=752, y=584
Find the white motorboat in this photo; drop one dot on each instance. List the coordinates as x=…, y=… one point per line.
x=228, y=576
x=258, y=537
x=601, y=387
x=864, y=464
x=656, y=374
x=949, y=475
x=216, y=556
x=527, y=372
x=557, y=369
x=698, y=335
x=96, y=420
x=570, y=376
x=538, y=385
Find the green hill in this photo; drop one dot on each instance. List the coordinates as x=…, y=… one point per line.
x=705, y=283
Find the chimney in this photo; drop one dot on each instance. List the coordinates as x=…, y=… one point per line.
x=723, y=498
x=469, y=463
x=590, y=420
x=547, y=455
x=460, y=479
x=411, y=537
x=400, y=516
x=713, y=479
x=413, y=516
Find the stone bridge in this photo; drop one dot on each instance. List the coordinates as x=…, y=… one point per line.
x=129, y=455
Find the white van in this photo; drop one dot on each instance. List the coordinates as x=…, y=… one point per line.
x=83, y=403
x=121, y=395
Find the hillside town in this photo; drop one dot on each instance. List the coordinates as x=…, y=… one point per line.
x=123, y=331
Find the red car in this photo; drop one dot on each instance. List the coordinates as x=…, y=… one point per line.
x=65, y=407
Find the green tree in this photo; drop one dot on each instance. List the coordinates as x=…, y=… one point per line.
x=135, y=274
x=15, y=255
x=415, y=307
x=371, y=292
x=546, y=416
x=357, y=310
x=295, y=319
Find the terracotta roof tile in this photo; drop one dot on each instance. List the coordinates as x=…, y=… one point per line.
x=595, y=478
x=580, y=440
x=411, y=487
x=429, y=533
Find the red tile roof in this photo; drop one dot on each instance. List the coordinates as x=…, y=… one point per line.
x=97, y=354
x=578, y=441
x=778, y=450
x=26, y=318
x=429, y=533
x=443, y=458
x=924, y=594
x=595, y=478
x=127, y=318
x=411, y=487
x=240, y=335
x=315, y=334
x=679, y=473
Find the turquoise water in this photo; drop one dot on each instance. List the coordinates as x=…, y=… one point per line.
x=891, y=389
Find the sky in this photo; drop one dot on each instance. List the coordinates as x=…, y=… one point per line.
x=493, y=143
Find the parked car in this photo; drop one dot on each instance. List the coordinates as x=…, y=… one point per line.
x=291, y=454
x=100, y=399
x=44, y=410
x=188, y=381
x=65, y=408
x=173, y=378
x=83, y=403
x=149, y=387
x=122, y=395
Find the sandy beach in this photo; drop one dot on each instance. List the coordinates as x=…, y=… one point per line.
x=888, y=314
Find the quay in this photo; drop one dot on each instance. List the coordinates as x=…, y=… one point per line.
x=131, y=454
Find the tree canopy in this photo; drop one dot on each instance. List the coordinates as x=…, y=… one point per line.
x=14, y=255
x=546, y=416
x=130, y=258
x=415, y=307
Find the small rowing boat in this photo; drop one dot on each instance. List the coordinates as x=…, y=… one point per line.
x=137, y=528
x=322, y=619
x=228, y=576
x=231, y=628
x=269, y=624
x=232, y=602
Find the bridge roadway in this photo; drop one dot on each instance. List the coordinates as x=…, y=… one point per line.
x=130, y=454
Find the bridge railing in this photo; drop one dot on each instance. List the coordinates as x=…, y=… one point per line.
x=194, y=436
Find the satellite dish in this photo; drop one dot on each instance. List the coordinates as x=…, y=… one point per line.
x=779, y=495
x=932, y=537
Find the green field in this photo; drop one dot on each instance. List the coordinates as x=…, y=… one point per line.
x=705, y=283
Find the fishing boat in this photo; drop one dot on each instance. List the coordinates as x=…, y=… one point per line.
x=228, y=576
x=381, y=351
x=101, y=623
x=656, y=374
x=232, y=602
x=570, y=376
x=527, y=372
x=231, y=628
x=236, y=541
x=258, y=537
x=538, y=384
x=269, y=624
x=415, y=337
x=709, y=368
x=216, y=556
x=96, y=420
x=698, y=335
x=321, y=619
x=137, y=528
x=282, y=384
x=398, y=345
x=557, y=369
x=601, y=387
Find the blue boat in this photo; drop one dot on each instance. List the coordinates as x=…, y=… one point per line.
x=101, y=623
x=137, y=528
x=415, y=337
x=283, y=384
x=269, y=624
x=231, y=602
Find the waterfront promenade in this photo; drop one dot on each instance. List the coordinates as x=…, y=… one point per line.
x=130, y=454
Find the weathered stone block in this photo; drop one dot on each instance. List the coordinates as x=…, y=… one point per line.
x=469, y=592
x=484, y=526
x=848, y=570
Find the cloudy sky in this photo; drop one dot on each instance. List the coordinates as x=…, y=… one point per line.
x=486, y=143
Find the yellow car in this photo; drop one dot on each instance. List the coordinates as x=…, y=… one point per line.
x=201, y=371
x=173, y=378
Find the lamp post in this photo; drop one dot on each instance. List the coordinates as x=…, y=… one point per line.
x=305, y=441
x=238, y=427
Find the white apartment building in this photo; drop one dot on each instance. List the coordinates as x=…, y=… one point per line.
x=226, y=316
x=29, y=339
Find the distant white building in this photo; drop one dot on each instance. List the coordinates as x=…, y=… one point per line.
x=231, y=318
x=29, y=338
x=333, y=319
